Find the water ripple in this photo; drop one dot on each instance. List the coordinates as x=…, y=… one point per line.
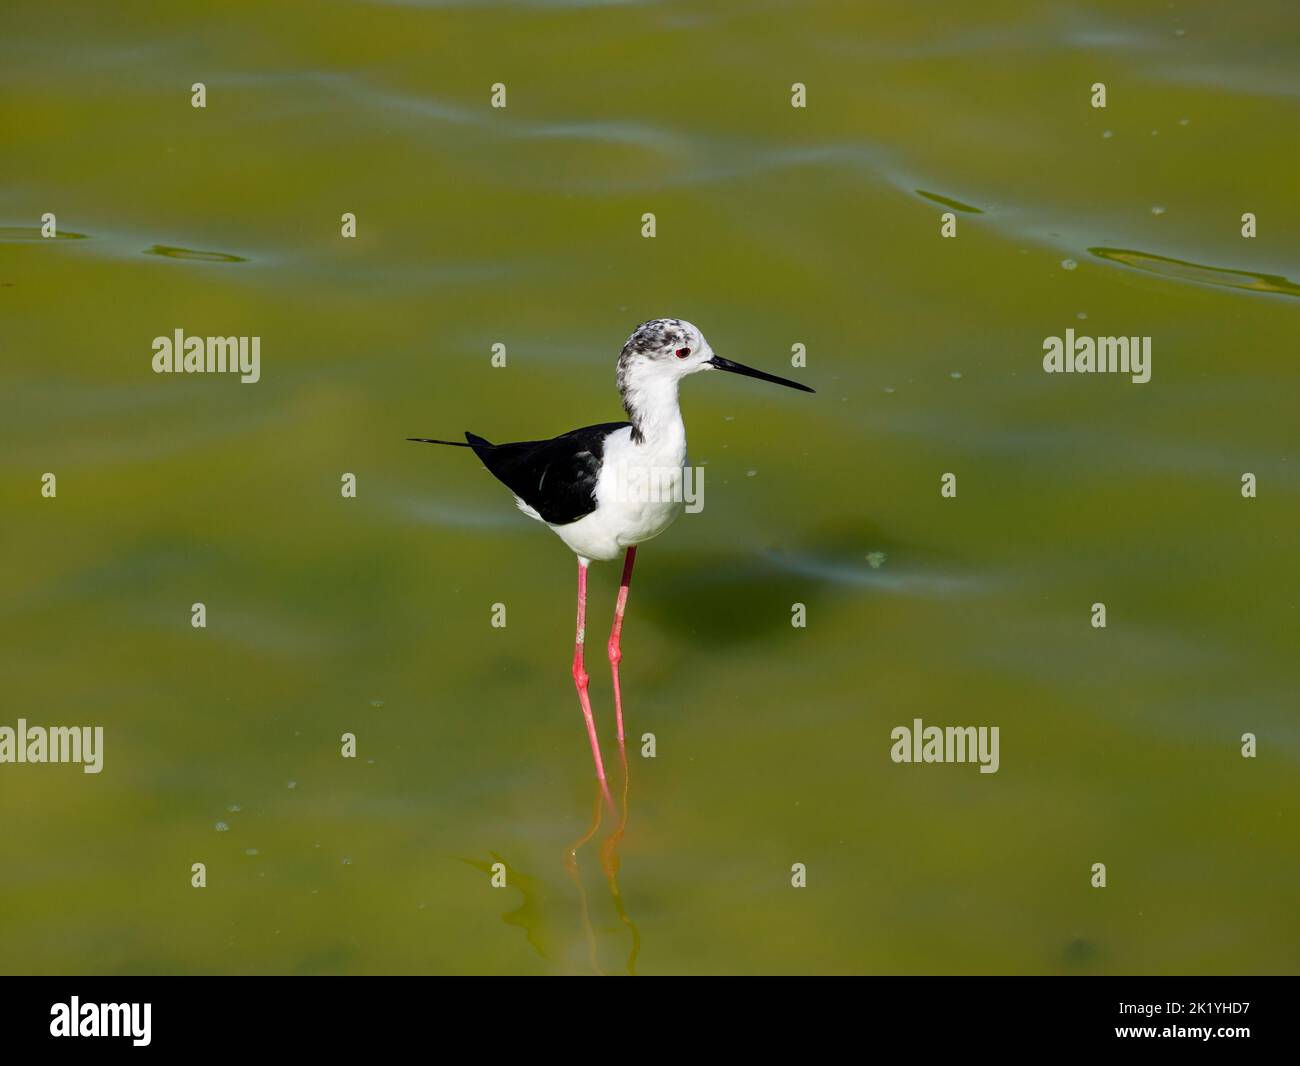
x=948, y=201
x=191, y=253
x=16, y=234
x=868, y=576
x=1200, y=273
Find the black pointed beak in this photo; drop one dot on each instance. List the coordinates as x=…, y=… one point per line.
x=749, y=372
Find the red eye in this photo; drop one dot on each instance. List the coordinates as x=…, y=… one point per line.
x=682, y=353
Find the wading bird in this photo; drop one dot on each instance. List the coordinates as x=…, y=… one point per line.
x=602, y=488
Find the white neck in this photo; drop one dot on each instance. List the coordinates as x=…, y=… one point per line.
x=651, y=404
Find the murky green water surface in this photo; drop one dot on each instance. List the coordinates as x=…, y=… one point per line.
x=776, y=226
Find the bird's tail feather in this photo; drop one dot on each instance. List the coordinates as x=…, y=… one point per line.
x=471, y=441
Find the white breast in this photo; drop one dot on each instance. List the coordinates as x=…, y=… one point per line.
x=638, y=495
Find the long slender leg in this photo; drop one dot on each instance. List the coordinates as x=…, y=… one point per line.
x=616, y=654
x=580, y=681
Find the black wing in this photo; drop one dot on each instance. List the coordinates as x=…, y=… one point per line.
x=557, y=477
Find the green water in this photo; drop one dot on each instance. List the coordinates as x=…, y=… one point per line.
x=775, y=226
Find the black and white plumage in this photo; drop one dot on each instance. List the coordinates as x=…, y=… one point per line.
x=581, y=483
x=554, y=478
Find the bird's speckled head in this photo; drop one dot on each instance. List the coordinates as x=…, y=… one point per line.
x=657, y=355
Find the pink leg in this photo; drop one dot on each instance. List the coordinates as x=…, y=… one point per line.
x=580, y=680
x=616, y=654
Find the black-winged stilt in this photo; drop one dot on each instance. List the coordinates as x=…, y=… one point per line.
x=602, y=488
